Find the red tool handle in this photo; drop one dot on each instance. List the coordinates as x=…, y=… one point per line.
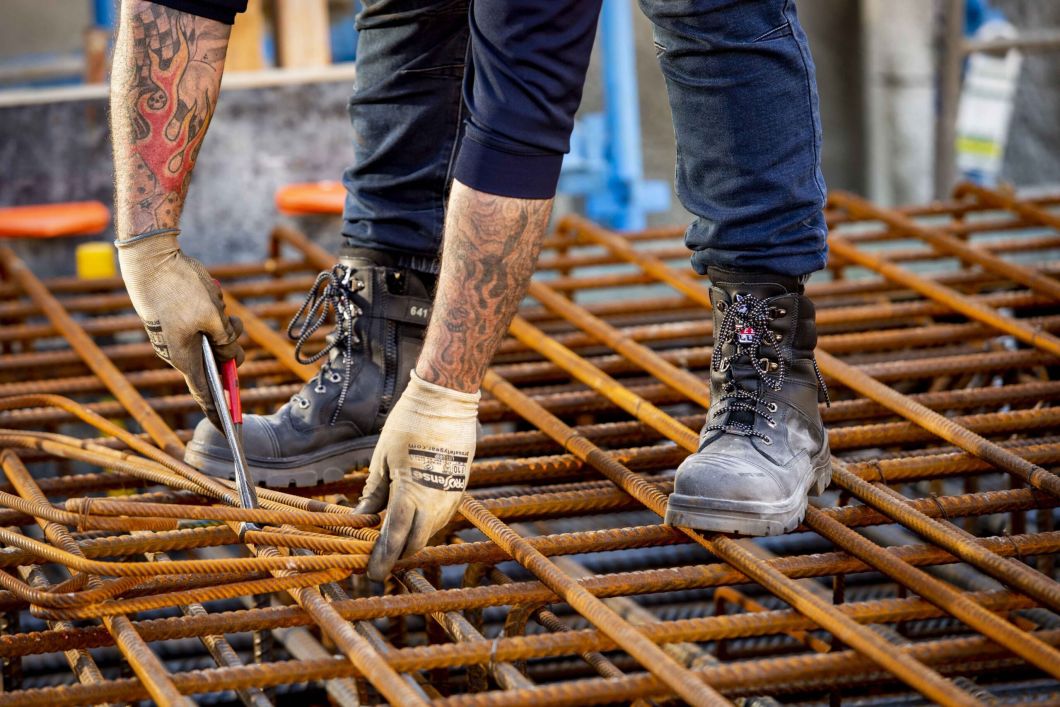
x=230, y=381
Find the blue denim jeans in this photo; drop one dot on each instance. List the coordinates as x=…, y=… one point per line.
x=742, y=92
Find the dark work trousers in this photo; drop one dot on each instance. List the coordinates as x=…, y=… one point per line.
x=485, y=93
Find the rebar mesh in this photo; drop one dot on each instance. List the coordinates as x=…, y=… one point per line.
x=925, y=576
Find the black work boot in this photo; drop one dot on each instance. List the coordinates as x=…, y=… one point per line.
x=333, y=423
x=763, y=447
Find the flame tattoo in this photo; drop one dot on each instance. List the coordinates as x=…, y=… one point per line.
x=166, y=84
x=172, y=142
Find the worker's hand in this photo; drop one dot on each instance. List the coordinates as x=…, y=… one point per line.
x=421, y=461
x=178, y=302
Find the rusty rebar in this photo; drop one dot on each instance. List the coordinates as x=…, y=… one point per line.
x=930, y=408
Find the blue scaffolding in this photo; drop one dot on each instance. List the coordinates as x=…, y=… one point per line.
x=605, y=164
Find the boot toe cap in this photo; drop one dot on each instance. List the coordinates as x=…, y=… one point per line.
x=730, y=477
x=207, y=438
x=258, y=440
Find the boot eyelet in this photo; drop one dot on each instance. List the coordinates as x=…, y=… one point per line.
x=721, y=306
x=303, y=403
x=724, y=365
x=771, y=423
x=772, y=407
x=319, y=388
x=360, y=284
x=335, y=377
x=768, y=440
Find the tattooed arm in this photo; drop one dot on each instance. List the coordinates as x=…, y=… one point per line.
x=164, y=86
x=490, y=249
x=421, y=463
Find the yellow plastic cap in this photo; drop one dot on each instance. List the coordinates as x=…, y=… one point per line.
x=95, y=260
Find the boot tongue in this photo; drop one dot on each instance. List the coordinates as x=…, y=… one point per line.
x=745, y=377
x=733, y=281
x=357, y=261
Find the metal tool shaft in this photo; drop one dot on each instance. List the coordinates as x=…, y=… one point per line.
x=248, y=497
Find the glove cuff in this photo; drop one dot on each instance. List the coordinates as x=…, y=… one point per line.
x=133, y=240
x=434, y=393
x=148, y=247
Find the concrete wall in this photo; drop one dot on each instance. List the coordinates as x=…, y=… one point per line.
x=259, y=140
x=898, y=88
x=42, y=26
x=1033, y=155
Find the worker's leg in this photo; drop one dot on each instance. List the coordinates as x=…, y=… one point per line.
x=529, y=63
x=528, y=67
x=744, y=102
x=406, y=113
x=529, y=60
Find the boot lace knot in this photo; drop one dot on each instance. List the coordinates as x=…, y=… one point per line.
x=745, y=324
x=330, y=296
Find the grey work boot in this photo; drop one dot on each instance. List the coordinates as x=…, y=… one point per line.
x=333, y=423
x=763, y=447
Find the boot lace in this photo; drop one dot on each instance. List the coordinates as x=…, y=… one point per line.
x=331, y=295
x=745, y=323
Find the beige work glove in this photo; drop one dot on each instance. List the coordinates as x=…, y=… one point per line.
x=422, y=461
x=178, y=302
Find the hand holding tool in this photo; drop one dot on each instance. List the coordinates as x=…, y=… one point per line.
x=230, y=412
x=177, y=300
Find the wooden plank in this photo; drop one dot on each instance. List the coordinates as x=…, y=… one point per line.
x=245, y=47
x=302, y=33
x=97, y=58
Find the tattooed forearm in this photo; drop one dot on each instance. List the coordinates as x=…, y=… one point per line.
x=490, y=249
x=164, y=86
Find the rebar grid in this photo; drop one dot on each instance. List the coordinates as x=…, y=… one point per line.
x=926, y=573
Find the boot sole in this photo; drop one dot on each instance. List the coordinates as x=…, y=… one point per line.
x=719, y=516
x=322, y=467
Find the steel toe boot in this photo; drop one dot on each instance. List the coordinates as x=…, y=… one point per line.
x=763, y=447
x=332, y=424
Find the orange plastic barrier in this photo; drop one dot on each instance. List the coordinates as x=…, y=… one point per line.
x=75, y=218
x=311, y=198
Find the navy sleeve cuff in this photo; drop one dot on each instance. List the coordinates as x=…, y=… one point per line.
x=496, y=171
x=220, y=10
